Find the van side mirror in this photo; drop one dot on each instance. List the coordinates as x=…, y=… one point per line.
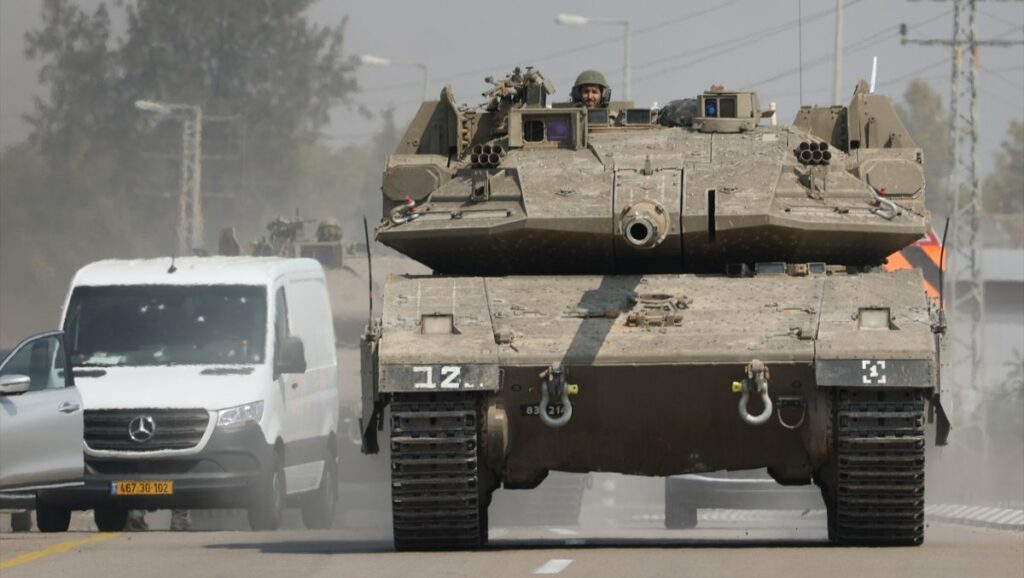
x=291, y=356
x=14, y=383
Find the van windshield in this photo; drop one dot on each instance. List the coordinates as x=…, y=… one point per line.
x=138, y=325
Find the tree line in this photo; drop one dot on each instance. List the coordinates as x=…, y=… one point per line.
x=97, y=178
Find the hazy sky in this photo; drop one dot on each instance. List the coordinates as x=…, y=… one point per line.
x=737, y=43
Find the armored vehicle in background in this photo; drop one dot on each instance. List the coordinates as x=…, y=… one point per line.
x=655, y=293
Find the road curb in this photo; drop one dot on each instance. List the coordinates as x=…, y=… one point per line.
x=986, y=517
x=979, y=516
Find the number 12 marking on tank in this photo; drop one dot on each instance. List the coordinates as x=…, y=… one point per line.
x=451, y=377
x=874, y=371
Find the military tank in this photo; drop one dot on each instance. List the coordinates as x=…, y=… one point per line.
x=647, y=292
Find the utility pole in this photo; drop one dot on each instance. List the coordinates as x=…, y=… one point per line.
x=191, y=175
x=966, y=284
x=190, y=202
x=838, y=84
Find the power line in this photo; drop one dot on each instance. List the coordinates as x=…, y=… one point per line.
x=967, y=305
x=853, y=48
x=1014, y=106
x=733, y=44
x=567, y=51
x=995, y=74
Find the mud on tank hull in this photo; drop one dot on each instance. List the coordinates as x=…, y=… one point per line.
x=654, y=368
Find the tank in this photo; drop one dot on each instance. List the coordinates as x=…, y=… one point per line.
x=652, y=292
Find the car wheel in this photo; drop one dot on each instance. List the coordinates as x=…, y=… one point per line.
x=110, y=519
x=265, y=512
x=320, y=505
x=52, y=518
x=21, y=522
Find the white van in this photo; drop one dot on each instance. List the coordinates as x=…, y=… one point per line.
x=207, y=382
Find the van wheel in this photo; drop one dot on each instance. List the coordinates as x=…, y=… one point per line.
x=320, y=505
x=52, y=518
x=110, y=519
x=265, y=512
x=21, y=522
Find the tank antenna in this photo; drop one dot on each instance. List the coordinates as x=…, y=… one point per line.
x=369, y=267
x=942, y=266
x=800, y=45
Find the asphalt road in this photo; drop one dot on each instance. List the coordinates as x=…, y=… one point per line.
x=762, y=549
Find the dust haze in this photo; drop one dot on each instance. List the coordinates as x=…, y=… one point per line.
x=69, y=197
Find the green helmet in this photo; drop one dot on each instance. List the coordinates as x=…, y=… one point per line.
x=591, y=77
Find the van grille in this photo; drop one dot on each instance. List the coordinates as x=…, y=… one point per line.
x=172, y=429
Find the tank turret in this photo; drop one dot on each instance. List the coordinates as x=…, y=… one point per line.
x=520, y=188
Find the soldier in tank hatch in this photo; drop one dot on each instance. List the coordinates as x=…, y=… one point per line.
x=591, y=90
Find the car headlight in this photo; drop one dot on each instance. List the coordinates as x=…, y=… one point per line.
x=240, y=416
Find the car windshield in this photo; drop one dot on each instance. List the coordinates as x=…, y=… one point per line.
x=139, y=325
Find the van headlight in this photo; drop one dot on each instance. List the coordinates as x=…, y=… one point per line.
x=240, y=416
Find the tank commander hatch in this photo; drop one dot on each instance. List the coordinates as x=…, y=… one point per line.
x=591, y=90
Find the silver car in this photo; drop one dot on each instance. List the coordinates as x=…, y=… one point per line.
x=40, y=416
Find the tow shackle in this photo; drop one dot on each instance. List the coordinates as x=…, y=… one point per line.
x=757, y=382
x=554, y=387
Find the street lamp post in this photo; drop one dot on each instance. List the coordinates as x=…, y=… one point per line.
x=190, y=202
x=372, y=60
x=627, y=73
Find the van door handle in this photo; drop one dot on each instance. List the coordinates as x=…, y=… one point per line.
x=68, y=407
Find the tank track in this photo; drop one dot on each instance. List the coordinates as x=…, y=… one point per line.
x=437, y=502
x=878, y=488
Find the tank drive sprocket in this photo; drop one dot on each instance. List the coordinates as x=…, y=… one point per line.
x=875, y=493
x=438, y=500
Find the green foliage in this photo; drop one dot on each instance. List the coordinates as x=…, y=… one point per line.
x=1003, y=190
x=929, y=124
x=98, y=178
x=261, y=62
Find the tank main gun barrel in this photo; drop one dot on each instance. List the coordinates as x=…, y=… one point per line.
x=644, y=225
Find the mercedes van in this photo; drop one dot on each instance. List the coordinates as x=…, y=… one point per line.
x=206, y=382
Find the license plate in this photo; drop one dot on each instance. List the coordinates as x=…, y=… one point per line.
x=148, y=488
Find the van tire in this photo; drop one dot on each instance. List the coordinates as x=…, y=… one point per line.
x=52, y=518
x=21, y=522
x=110, y=519
x=266, y=510
x=320, y=506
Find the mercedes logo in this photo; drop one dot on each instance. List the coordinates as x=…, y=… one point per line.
x=141, y=429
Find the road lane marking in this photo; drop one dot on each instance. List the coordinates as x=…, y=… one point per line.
x=55, y=549
x=553, y=566
x=563, y=531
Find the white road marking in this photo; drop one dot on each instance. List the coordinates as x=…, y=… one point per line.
x=563, y=531
x=553, y=566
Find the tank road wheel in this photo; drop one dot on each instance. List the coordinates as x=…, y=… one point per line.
x=874, y=487
x=438, y=500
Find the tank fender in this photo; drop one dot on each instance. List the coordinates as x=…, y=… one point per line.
x=373, y=404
